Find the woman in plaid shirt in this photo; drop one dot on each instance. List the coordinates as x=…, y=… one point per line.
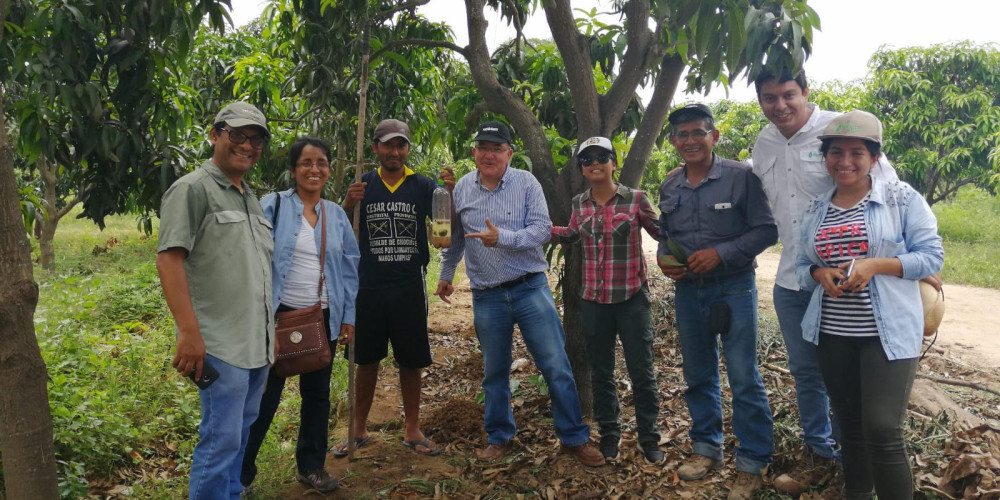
x=609, y=218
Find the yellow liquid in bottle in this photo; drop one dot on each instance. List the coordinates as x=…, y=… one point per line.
x=441, y=233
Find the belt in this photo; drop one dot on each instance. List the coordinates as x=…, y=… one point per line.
x=514, y=282
x=712, y=280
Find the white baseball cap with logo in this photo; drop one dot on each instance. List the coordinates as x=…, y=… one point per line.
x=597, y=142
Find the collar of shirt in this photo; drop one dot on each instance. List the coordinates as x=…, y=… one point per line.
x=714, y=172
x=392, y=189
x=503, y=179
x=221, y=178
x=588, y=195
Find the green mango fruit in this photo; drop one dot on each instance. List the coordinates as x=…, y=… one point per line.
x=677, y=251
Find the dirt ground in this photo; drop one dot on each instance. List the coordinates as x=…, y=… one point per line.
x=965, y=466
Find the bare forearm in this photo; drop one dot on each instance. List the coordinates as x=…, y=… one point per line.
x=173, y=280
x=886, y=265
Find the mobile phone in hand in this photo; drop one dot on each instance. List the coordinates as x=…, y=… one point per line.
x=208, y=375
x=847, y=273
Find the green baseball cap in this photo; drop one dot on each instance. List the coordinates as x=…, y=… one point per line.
x=242, y=114
x=855, y=124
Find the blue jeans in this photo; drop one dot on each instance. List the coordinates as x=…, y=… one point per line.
x=631, y=321
x=228, y=407
x=810, y=391
x=531, y=307
x=751, y=420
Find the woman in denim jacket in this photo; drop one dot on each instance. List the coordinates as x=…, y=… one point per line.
x=866, y=244
x=295, y=268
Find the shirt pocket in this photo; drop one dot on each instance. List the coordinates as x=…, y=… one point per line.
x=621, y=225
x=262, y=234
x=679, y=219
x=724, y=218
x=765, y=170
x=890, y=248
x=815, y=178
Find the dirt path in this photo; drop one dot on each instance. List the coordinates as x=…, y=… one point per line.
x=970, y=330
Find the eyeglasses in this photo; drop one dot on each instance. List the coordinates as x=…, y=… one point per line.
x=585, y=160
x=237, y=137
x=311, y=164
x=492, y=151
x=696, y=134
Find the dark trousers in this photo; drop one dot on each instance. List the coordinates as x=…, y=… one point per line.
x=869, y=394
x=314, y=387
x=631, y=321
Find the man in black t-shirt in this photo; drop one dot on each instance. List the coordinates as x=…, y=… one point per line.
x=392, y=297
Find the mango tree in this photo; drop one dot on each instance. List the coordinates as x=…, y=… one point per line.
x=940, y=106
x=99, y=63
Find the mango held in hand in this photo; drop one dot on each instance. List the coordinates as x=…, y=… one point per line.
x=676, y=257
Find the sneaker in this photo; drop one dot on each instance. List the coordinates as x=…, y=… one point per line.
x=744, y=486
x=609, y=446
x=652, y=453
x=697, y=467
x=809, y=471
x=586, y=454
x=319, y=480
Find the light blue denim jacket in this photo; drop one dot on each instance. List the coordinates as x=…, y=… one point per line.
x=342, y=254
x=900, y=224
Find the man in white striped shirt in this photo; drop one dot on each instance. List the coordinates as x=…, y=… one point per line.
x=501, y=223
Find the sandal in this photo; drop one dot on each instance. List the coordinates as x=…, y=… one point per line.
x=340, y=451
x=424, y=443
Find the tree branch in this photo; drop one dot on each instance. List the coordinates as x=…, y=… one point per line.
x=960, y=383
x=503, y=101
x=651, y=125
x=575, y=50
x=412, y=4
x=419, y=42
x=518, y=28
x=642, y=52
x=65, y=210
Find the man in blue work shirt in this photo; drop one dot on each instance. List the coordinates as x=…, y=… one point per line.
x=501, y=224
x=716, y=214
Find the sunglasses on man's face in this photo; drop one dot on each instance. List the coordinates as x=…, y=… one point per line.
x=238, y=137
x=584, y=160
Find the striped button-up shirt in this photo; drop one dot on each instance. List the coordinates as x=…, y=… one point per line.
x=517, y=208
x=613, y=264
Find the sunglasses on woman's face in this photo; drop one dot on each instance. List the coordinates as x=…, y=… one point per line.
x=584, y=160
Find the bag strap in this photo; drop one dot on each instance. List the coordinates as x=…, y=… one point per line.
x=277, y=206
x=322, y=250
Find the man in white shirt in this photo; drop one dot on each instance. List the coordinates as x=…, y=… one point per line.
x=786, y=157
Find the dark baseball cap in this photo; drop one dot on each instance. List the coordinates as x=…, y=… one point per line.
x=390, y=129
x=493, y=132
x=687, y=109
x=242, y=114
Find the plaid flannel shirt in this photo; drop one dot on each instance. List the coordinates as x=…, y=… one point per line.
x=614, y=267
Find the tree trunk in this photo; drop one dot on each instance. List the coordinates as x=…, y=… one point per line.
x=47, y=224
x=29, y=465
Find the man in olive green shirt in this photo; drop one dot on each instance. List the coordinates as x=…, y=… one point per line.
x=214, y=263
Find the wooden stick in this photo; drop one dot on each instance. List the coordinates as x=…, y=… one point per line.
x=360, y=152
x=960, y=383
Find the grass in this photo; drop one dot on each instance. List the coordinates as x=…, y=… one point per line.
x=970, y=227
x=108, y=339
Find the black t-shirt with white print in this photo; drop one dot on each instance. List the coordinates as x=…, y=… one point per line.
x=394, y=230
